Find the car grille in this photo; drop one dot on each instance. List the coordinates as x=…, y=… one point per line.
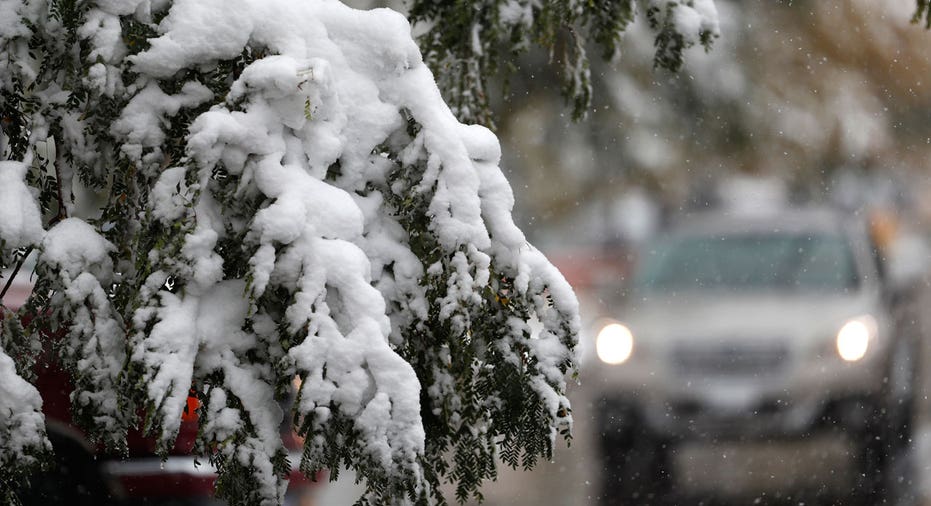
x=727, y=360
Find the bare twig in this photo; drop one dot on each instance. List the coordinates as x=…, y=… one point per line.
x=62, y=212
x=60, y=215
x=21, y=261
x=19, y=265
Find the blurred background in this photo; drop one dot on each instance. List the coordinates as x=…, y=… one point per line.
x=800, y=104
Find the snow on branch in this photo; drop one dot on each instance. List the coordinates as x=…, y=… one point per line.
x=22, y=426
x=260, y=191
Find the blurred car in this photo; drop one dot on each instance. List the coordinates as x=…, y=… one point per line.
x=81, y=474
x=751, y=350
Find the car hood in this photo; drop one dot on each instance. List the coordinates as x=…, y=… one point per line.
x=714, y=316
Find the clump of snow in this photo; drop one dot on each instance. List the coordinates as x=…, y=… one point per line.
x=691, y=18
x=10, y=24
x=514, y=12
x=20, y=220
x=94, y=347
x=167, y=195
x=73, y=246
x=203, y=332
x=141, y=121
x=22, y=426
x=13, y=31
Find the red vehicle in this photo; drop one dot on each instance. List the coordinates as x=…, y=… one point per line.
x=84, y=475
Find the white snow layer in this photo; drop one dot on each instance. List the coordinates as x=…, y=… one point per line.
x=22, y=426
x=20, y=220
x=331, y=86
x=692, y=18
x=95, y=344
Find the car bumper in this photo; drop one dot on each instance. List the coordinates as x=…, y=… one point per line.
x=732, y=407
x=822, y=464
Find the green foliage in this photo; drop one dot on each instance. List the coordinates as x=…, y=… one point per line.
x=923, y=12
x=478, y=399
x=15, y=105
x=15, y=343
x=465, y=43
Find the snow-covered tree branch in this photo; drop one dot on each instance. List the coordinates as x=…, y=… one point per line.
x=226, y=195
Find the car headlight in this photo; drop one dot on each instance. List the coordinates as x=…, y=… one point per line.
x=614, y=344
x=853, y=338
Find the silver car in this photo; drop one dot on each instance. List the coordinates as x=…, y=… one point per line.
x=751, y=354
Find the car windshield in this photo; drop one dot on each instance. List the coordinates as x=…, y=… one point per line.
x=748, y=261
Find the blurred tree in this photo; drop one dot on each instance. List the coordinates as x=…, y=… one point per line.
x=467, y=43
x=923, y=12
x=796, y=91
